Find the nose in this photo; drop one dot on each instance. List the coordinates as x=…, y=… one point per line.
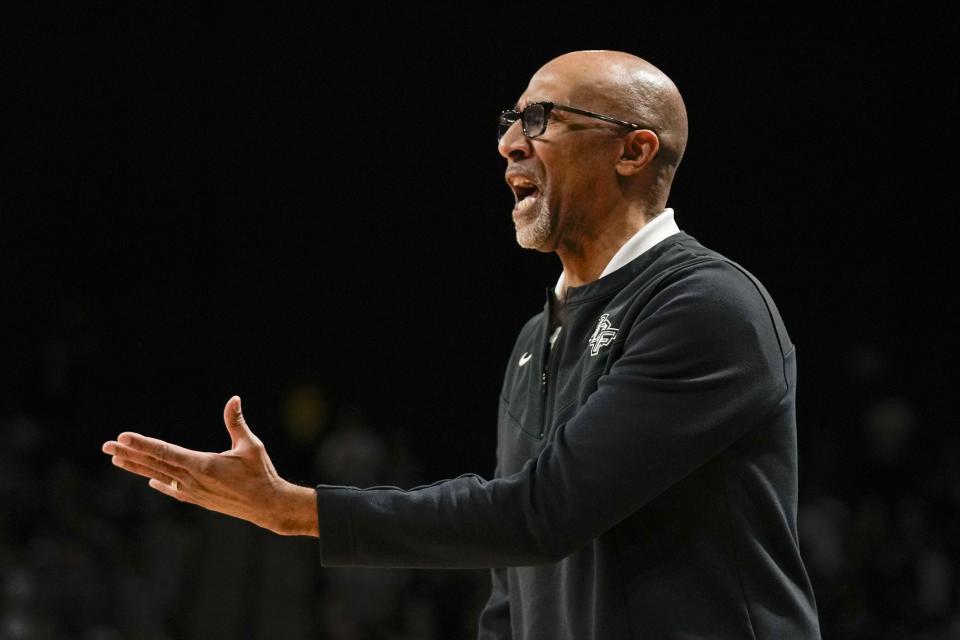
x=514, y=145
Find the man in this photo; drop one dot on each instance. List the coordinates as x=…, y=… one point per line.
x=646, y=481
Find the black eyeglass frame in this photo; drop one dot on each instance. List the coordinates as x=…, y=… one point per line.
x=503, y=123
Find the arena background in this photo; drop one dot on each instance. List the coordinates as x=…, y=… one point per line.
x=308, y=210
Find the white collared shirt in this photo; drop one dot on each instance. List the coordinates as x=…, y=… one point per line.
x=661, y=227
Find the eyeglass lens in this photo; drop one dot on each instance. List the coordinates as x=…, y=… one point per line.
x=533, y=120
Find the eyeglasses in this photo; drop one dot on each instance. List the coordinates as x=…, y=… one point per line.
x=533, y=118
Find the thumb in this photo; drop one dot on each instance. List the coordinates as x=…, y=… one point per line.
x=236, y=425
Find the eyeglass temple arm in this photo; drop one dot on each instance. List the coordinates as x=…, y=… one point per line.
x=583, y=112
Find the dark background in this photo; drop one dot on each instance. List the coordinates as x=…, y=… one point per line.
x=308, y=210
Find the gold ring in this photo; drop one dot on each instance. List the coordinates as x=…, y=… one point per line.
x=174, y=484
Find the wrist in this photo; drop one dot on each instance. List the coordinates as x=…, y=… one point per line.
x=296, y=513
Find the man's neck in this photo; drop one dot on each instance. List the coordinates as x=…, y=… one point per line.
x=585, y=262
x=652, y=232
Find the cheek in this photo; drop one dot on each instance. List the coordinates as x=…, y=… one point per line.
x=579, y=185
x=574, y=175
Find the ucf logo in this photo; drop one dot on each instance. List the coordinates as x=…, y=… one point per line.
x=602, y=335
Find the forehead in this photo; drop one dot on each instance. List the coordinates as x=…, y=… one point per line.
x=543, y=86
x=577, y=86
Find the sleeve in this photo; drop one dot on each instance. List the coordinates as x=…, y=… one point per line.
x=702, y=365
x=495, y=616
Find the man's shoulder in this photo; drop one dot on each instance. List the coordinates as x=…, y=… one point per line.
x=683, y=257
x=680, y=257
x=683, y=250
x=706, y=286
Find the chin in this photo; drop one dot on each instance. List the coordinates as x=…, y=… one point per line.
x=529, y=240
x=535, y=233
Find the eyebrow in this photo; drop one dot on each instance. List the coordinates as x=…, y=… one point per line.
x=556, y=114
x=516, y=106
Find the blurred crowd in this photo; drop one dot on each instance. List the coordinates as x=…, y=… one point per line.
x=88, y=552
x=879, y=512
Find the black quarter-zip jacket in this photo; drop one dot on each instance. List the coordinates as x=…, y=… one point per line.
x=646, y=482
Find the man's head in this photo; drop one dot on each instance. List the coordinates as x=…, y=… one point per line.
x=585, y=173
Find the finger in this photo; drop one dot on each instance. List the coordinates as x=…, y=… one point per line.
x=236, y=424
x=124, y=453
x=168, y=489
x=160, y=450
x=141, y=470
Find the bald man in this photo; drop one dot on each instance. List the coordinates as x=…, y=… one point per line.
x=646, y=481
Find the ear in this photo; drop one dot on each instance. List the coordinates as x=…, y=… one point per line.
x=640, y=147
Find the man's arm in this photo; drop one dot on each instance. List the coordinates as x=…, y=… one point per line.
x=702, y=366
x=695, y=376
x=241, y=482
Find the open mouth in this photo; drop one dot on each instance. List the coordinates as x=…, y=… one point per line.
x=524, y=190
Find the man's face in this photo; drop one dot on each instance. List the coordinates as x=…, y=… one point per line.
x=564, y=179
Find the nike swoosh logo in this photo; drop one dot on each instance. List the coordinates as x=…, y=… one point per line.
x=524, y=359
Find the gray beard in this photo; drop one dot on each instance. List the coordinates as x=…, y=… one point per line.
x=535, y=235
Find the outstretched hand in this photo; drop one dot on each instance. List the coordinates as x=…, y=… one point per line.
x=241, y=482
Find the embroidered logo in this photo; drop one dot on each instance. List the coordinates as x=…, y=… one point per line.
x=602, y=335
x=524, y=359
